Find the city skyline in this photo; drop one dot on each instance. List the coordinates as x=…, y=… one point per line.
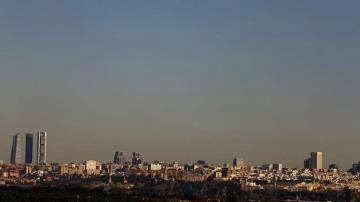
x=315, y=162
x=183, y=80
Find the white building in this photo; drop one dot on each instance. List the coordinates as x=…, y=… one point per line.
x=155, y=166
x=92, y=167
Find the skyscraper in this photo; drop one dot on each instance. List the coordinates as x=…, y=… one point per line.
x=136, y=160
x=16, y=149
x=122, y=158
x=307, y=163
x=119, y=158
x=41, y=147
x=316, y=160
x=116, y=158
x=29, y=148
x=238, y=162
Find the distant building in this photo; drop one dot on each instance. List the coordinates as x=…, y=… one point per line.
x=333, y=166
x=218, y=174
x=272, y=167
x=225, y=171
x=267, y=166
x=356, y=167
x=122, y=158
x=201, y=162
x=155, y=166
x=238, y=162
x=41, y=147
x=1, y=162
x=72, y=169
x=315, y=162
x=119, y=158
x=28, y=169
x=15, y=157
x=277, y=167
x=136, y=160
x=92, y=167
x=307, y=163
x=175, y=165
x=116, y=158
x=29, y=139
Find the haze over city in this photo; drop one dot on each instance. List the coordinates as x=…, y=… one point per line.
x=183, y=80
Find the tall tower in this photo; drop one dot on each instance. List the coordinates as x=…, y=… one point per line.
x=41, y=147
x=15, y=157
x=116, y=158
x=119, y=158
x=136, y=160
x=29, y=148
x=316, y=160
x=122, y=158
x=238, y=162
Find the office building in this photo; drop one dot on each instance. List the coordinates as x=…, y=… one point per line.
x=41, y=147
x=225, y=171
x=119, y=158
x=333, y=166
x=316, y=160
x=307, y=163
x=155, y=166
x=116, y=158
x=356, y=167
x=277, y=167
x=238, y=162
x=92, y=167
x=29, y=148
x=15, y=157
x=136, y=160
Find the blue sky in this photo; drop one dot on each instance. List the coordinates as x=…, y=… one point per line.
x=185, y=80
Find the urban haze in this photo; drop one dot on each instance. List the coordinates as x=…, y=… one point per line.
x=268, y=81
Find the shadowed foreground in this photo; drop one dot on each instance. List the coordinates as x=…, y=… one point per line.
x=186, y=192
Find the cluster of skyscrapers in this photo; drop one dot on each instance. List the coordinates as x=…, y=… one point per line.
x=16, y=150
x=119, y=158
x=314, y=162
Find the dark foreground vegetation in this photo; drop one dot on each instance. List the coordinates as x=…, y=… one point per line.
x=184, y=192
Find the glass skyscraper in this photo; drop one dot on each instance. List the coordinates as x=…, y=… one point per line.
x=16, y=156
x=29, y=148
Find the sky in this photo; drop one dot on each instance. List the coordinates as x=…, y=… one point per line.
x=269, y=81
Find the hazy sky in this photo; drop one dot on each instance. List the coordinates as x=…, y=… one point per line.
x=183, y=80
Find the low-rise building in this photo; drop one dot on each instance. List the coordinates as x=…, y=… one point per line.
x=155, y=166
